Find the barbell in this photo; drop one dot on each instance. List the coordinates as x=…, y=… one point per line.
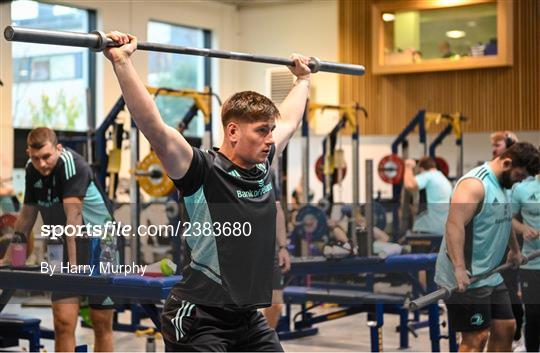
x=97, y=41
x=446, y=292
x=391, y=168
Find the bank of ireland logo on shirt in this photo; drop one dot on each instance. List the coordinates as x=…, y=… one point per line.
x=477, y=319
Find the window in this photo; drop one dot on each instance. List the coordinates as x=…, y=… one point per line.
x=48, y=68
x=178, y=71
x=51, y=83
x=417, y=36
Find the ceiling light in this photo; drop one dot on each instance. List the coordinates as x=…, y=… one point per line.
x=455, y=34
x=388, y=17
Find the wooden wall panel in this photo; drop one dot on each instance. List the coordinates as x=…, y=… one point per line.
x=505, y=98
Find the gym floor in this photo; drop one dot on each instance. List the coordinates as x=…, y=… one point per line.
x=345, y=334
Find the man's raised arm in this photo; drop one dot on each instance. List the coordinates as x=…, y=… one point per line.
x=170, y=146
x=292, y=108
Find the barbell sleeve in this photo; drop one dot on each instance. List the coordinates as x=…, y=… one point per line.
x=442, y=293
x=97, y=41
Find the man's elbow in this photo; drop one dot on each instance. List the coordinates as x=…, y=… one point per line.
x=74, y=217
x=410, y=186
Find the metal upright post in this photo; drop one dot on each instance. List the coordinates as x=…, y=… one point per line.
x=134, y=195
x=355, y=181
x=305, y=156
x=369, y=206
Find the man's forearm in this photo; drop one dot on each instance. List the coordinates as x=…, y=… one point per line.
x=513, y=243
x=75, y=220
x=139, y=102
x=408, y=179
x=25, y=220
x=292, y=108
x=517, y=226
x=281, y=229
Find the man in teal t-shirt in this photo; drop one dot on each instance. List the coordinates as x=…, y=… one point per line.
x=437, y=189
x=526, y=203
x=478, y=230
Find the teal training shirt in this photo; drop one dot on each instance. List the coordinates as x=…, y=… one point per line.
x=526, y=201
x=486, y=235
x=438, y=191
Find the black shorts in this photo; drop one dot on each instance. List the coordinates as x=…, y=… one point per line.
x=96, y=302
x=511, y=281
x=86, y=254
x=474, y=309
x=530, y=287
x=187, y=327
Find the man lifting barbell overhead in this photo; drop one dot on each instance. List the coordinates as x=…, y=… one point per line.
x=526, y=222
x=437, y=189
x=214, y=307
x=478, y=230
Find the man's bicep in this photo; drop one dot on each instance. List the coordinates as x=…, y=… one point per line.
x=175, y=155
x=72, y=206
x=27, y=217
x=466, y=201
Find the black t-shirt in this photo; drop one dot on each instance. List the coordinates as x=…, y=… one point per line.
x=275, y=182
x=71, y=177
x=232, y=271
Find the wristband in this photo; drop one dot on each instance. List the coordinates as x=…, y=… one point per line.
x=299, y=80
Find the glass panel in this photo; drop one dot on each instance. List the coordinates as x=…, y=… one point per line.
x=63, y=67
x=453, y=33
x=49, y=82
x=177, y=72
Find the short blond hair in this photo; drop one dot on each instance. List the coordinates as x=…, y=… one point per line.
x=507, y=135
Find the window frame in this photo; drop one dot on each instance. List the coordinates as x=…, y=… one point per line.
x=207, y=44
x=20, y=133
x=504, y=55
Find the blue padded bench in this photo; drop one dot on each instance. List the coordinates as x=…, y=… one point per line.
x=354, y=302
x=14, y=327
x=300, y=295
x=145, y=281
